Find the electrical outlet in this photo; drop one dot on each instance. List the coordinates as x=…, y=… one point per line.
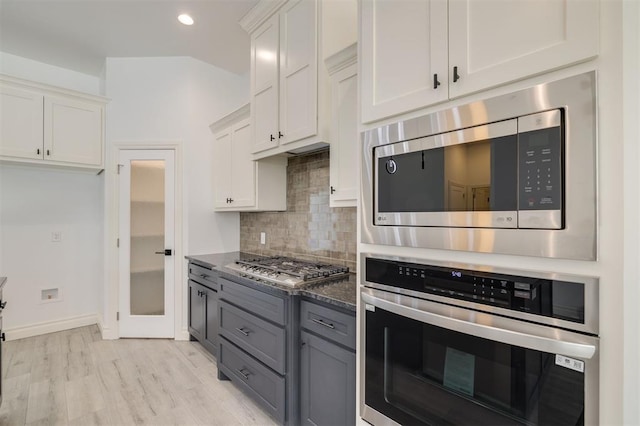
x=56, y=236
x=263, y=238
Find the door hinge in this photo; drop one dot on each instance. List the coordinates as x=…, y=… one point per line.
x=118, y=167
x=118, y=242
x=117, y=316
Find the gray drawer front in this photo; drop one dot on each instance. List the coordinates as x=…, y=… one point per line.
x=203, y=275
x=260, y=338
x=265, y=386
x=334, y=325
x=265, y=305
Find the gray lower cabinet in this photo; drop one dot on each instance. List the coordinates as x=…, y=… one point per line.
x=327, y=366
x=253, y=347
x=203, y=307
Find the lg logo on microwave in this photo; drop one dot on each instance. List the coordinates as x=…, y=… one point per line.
x=382, y=218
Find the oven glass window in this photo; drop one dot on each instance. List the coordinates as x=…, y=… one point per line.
x=475, y=176
x=421, y=374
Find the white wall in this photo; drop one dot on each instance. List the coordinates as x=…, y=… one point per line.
x=36, y=201
x=173, y=100
x=29, y=69
x=631, y=208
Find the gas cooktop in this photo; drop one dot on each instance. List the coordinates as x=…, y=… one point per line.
x=286, y=270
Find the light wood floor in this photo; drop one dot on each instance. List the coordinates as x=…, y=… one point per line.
x=76, y=378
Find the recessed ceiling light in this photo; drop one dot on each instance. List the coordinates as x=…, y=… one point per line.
x=185, y=19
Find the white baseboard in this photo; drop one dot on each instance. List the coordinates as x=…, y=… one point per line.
x=182, y=335
x=50, y=327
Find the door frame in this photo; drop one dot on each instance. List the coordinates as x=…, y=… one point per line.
x=108, y=321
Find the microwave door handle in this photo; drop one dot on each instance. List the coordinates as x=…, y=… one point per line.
x=511, y=337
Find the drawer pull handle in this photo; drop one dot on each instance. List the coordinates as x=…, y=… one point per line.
x=203, y=275
x=243, y=331
x=326, y=324
x=244, y=373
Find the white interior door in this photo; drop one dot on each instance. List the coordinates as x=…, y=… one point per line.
x=147, y=234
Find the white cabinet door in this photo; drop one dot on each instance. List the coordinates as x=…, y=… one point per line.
x=403, y=48
x=298, y=70
x=72, y=131
x=264, y=85
x=497, y=41
x=344, y=138
x=20, y=123
x=243, y=173
x=222, y=166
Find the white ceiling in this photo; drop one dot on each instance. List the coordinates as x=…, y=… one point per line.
x=80, y=34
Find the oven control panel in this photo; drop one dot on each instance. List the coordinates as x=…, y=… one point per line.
x=546, y=297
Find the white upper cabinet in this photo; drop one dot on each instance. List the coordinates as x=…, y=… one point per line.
x=239, y=182
x=73, y=131
x=290, y=87
x=496, y=41
x=409, y=46
x=45, y=125
x=265, y=84
x=298, y=70
x=404, y=51
x=343, y=162
x=21, y=123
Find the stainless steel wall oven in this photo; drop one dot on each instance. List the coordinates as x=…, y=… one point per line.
x=451, y=344
x=489, y=175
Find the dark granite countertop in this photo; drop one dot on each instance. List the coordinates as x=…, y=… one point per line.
x=3, y=280
x=339, y=292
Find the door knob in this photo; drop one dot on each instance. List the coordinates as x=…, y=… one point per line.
x=167, y=252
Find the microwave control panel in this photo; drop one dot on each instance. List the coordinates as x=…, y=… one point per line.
x=540, y=161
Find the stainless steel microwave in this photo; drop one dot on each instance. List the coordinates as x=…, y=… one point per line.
x=514, y=174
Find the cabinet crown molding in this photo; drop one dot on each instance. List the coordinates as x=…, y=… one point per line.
x=260, y=13
x=47, y=88
x=241, y=113
x=342, y=59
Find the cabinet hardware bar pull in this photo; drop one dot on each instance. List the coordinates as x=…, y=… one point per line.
x=280, y=135
x=456, y=76
x=436, y=83
x=48, y=153
x=231, y=200
x=272, y=138
x=333, y=190
x=38, y=151
x=241, y=330
x=244, y=373
x=3, y=304
x=326, y=324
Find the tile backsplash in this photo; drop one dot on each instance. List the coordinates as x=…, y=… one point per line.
x=309, y=229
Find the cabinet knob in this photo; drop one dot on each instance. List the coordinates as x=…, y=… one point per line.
x=272, y=138
x=436, y=83
x=456, y=76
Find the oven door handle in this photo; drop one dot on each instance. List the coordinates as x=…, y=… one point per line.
x=486, y=326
